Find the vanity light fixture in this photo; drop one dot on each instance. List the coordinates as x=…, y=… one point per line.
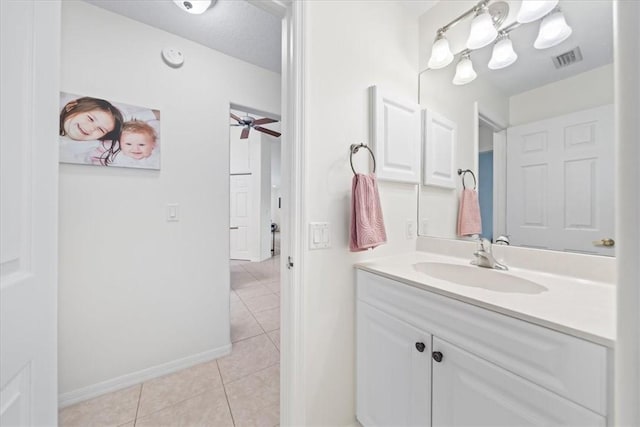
x=553, y=30
x=488, y=17
x=503, y=54
x=441, y=55
x=483, y=30
x=195, y=7
x=464, y=71
x=532, y=10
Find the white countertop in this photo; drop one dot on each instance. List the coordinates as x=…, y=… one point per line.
x=578, y=307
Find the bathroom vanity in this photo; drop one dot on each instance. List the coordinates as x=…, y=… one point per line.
x=443, y=343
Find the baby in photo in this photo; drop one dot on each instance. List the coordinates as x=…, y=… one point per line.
x=137, y=140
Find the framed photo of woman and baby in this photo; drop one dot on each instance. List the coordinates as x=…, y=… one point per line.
x=98, y=132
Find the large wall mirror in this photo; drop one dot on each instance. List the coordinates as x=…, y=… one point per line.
x=538, y=134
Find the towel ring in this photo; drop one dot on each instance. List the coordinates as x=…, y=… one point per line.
x=464, y=173
x=354, y=149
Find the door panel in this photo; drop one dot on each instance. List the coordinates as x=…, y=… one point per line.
x=469, y=391
x=560, y=182
x=239, y=220
x=30, y=51
x=393, y=377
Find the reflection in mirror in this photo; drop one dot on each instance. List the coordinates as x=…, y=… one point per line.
x=538, y=133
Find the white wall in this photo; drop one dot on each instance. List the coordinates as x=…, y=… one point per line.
x=349, y=46
x=137, y=291
x=586, y=90
x=439, y=206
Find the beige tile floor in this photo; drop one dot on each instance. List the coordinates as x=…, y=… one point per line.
x=242, y=389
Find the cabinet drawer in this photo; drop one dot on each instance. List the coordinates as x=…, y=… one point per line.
x=569, y=366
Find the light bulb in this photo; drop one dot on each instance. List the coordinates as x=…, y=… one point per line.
x=482, y=31
x=553, y=31
x=441, y=55
x=503, y=54
x=195, y=7
x=532, y=10
x=464, y=71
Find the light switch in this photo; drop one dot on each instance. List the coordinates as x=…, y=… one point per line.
x=319, y=236
x=172, y=212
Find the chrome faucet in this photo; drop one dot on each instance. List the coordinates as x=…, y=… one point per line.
x=484, y=257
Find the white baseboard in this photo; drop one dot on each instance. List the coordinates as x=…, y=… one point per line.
x=118, y=383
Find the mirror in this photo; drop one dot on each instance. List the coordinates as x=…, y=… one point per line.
x=538, y=134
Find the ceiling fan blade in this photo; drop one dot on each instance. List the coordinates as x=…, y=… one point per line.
x=236, y=118
x=264, y=121
x=267, y=131
x=235, y=124
x=245, y=133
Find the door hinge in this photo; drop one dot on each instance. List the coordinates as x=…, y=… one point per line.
x=289, y=263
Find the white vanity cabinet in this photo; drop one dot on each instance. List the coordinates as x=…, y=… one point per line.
x=476, y=368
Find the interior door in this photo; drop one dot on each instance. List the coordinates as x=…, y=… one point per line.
x=30, y=52
x=560, y=182
x=240, y=209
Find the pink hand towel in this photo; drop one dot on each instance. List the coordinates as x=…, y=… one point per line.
x=469, y=221
x=367, y=224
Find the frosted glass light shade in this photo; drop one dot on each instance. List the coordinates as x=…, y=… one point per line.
x=464, y=72
x=532, y=10
x=482, y=31
x=553, y=31
x=503, y=54
x=195, y=7
x=441, y=55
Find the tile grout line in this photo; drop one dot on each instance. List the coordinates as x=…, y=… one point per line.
x=226, y=396
x=135, y=419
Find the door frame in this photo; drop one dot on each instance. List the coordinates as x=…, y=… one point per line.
x=293, y=239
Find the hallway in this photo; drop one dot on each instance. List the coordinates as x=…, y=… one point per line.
x=242, y=389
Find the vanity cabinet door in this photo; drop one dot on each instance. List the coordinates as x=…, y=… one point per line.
x=393, y=371
x=469, y=391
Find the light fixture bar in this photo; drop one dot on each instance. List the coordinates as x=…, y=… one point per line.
x=473, y=10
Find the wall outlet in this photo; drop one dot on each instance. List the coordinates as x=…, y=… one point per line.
x=410, y=229
x=424, y=226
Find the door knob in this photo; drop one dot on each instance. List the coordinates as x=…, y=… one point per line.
x=437, y=356
x=608, y=242
x=420, y=346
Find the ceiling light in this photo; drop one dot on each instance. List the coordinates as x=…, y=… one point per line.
x=532, y=10
x=441, y=55
x=464, y=71
x=553, y=31
x=483, y=31
x=503, y=54
x=195, y=7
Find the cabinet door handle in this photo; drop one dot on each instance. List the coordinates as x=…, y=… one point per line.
x=420, y=346
x=437, y=356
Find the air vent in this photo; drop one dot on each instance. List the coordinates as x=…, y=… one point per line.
x=568, y=58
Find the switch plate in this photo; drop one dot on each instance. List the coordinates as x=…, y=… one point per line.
x=172, y=212
x=319, y=235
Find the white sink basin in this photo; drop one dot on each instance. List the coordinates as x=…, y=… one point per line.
x=479, y=277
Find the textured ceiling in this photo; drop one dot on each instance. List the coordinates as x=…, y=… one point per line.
x=233, y=27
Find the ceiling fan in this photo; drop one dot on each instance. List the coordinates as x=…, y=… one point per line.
x=249, y=122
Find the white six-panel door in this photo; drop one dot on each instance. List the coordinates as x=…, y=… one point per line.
x=560, y=184
x=240, y=216
x=30, y=51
